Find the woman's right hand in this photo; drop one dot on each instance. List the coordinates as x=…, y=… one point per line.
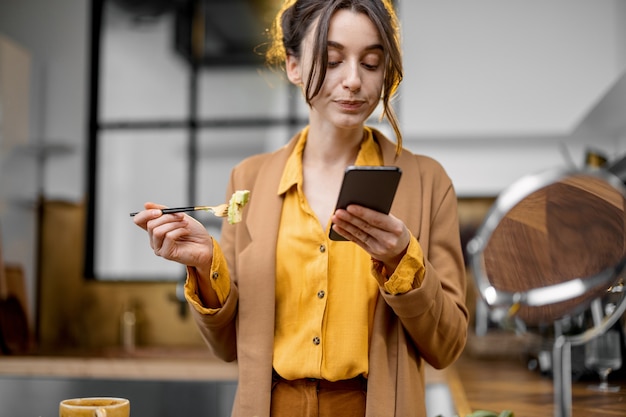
x=177, y=237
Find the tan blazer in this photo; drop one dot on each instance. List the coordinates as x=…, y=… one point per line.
x=429, y=323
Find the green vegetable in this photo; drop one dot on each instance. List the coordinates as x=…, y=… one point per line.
x=235, y=206
x=487, y=413
x=483, y=413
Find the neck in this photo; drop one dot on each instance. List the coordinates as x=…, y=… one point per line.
x=332, y=147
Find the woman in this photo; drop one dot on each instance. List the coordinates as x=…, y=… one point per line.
x=320, y=327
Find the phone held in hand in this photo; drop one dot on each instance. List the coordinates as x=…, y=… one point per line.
x=369, y=186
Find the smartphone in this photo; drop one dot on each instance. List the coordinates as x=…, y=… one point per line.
x=369, y=186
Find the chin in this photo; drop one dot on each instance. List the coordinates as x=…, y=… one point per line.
x=350, y=122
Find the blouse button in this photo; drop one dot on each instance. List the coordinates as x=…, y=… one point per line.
x=322, y=248
x=316, y=340
x=215, y=275
x=321, y=294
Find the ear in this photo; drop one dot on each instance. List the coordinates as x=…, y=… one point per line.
x=293, y=69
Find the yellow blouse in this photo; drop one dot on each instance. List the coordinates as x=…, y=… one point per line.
x=326, y=290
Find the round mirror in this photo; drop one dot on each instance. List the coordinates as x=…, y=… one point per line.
x=551, y=244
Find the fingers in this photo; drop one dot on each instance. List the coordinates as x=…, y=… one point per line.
x=165, y=230
x=151, y=205
x=176, y=236
x=151, y=211
x=382, y=236
x=158, y=225
x=354, y=228
x=365, y=224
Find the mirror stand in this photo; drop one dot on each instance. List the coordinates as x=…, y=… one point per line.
x=562, y=351
x=562, y=376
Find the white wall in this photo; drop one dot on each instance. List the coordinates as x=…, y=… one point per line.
x=498, y=89
x=474, y=70
x=493, y=68
x=54, y=33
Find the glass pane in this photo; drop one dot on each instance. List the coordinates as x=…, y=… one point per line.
x=141, y=75
x=243, y=92
x=219, y=151
x=135, y=167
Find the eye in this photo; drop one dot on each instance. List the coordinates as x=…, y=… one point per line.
x=371, y=62
x=334, y=59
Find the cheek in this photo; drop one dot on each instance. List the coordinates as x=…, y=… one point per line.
x=375, y=86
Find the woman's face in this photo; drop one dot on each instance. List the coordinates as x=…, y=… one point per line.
x=354, y=78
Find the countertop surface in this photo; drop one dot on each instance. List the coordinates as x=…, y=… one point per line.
x=152, y=363
x=499, y=384
x=476, y=383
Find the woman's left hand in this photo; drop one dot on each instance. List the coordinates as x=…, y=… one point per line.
x=383, y=236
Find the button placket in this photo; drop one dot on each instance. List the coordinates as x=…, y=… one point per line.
x=321, y=294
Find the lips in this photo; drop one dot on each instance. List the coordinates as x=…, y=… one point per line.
x=350, y=104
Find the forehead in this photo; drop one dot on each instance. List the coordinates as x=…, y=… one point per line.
x=348, y=27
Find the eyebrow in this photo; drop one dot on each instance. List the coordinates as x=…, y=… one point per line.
x=337, y=45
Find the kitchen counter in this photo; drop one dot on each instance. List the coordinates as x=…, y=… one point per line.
x=498, y=384
x=146, y=363
x=475, y=382
x=159, y=382
x=152, y=378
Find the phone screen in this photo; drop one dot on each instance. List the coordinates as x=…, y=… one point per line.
x=369, y=186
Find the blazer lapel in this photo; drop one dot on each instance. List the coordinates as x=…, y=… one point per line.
x=407, y=204
x=256, y=265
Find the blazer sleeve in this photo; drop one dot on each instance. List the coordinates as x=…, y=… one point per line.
x=218, y=326
x=434, y=315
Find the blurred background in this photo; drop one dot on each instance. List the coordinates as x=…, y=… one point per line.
x=106, y=104
x=110, y=103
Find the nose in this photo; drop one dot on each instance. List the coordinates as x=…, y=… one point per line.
x=352, y=78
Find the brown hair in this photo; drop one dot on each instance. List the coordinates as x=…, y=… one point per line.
x=294, y=20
